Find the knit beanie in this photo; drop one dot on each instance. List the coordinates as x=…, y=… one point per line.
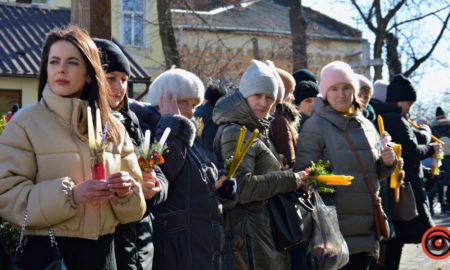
x=112, y=56
x=334, y=73
x=364, y=82
x=304, y=90
x=257, y=79
x=178, y=82
x=400, y=89
x=288, y=81
x=281, y=90
x=379, y=90
x=440, y=112
x=304, y=75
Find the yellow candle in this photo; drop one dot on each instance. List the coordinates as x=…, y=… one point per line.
x=237, y=150
x=244, y=151
x=380, y=124
x=433, y=138
x=394, y=176
x=91, y=132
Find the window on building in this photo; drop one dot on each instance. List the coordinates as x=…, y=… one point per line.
x=133, y=22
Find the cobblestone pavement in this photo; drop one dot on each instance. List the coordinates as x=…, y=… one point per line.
x=413, y=257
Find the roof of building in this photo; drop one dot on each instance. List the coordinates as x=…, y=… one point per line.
x=264, y=17
x=22, y=33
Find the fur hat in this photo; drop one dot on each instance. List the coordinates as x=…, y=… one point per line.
x=304, y=75
x=334, y=73
x=112, y=56
x=216, y=89
x=364, y=82
x=379, y=90
x=400, y=89
x=176, y=81
x=288, y=81
x=258, y=78
x=304, y=90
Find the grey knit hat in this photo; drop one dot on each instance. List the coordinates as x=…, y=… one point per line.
x=379, y=90
x=257, y=79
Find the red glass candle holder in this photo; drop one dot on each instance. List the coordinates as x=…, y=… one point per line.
x=98, y=171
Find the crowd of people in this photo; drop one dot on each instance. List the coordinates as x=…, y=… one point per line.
x=187, y=213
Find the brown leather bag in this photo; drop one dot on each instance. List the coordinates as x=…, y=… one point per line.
x=381, y=222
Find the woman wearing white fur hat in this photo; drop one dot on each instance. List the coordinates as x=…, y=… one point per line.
x=260, y=176
x=337, y=111
x=188, y=229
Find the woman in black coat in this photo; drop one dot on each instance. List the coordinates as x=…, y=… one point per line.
x=401, y=94
x=188, y=228
x=133, y=241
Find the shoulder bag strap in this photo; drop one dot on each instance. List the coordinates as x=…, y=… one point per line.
x=361, y=165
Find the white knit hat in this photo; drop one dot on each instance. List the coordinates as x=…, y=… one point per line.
x=334, y=73
x=380, y=90
x=176, y=81
x=258, y=78
x=364, y=82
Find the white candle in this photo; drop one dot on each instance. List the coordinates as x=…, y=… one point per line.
x=146, y=142
x=91, y=132
x=164, y=137
x=98, y=127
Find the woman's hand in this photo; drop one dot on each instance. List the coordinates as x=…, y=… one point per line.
x=300, y=180
x=437, y=147
x=120, y=183
x=90, y=191
x=150, y=184
x=168, y=104
x=388, y=156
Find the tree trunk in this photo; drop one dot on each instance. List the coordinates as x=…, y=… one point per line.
x=392, y=57
x=298, y=32
x=377, y=53
x=167, y=35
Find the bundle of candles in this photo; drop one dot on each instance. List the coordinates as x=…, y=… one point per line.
x=97, y=143
x=318, y=172
x=240, y=152
x=436, y=159
x=152, y=153
x=398, y=175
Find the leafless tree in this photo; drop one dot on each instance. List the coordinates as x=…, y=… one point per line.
x=398, y=24
x=167, y=34
x=298, y=31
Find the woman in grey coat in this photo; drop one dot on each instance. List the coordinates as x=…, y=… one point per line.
x=259, y=177
x=338, y=109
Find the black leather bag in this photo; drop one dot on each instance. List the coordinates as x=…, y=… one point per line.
x=405, y=209
x=57, y=262
x=290, y=219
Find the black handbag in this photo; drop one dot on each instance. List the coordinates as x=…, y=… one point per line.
x=57, y=262
x=290, y=219
x=405, y=209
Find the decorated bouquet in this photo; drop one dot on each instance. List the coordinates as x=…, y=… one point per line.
x=320, y=178
x=97, y=144
x=152, y=153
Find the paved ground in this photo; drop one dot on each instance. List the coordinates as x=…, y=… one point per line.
x=413, y=257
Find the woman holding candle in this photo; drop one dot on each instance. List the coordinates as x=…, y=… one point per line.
x=188, y=227
x=45, y=162
x=259, y=177
x=339, y=110
x=132, y=241
x=400, y=97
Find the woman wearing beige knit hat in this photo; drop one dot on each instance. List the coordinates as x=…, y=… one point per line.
x=337, y=111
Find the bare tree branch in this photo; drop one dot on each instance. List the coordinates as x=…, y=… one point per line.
x=364, y=17
x=419, y=61
x=417, y=18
